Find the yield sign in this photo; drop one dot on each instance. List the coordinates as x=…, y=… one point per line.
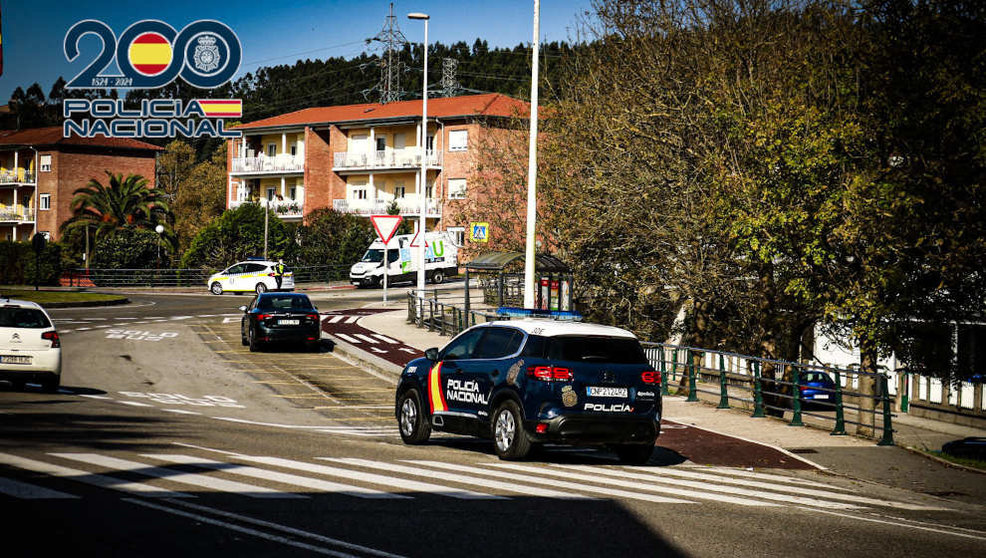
x=386, y=226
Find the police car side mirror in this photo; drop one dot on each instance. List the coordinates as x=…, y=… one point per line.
x=242, y=308
x=431, y=354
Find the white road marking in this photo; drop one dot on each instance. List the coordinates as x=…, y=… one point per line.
x=453, y=477
x=353, y=319
x=83, y=328
x=89, y=478
x=802, y=493
x=93, y=396
x=289, y=530
x=407, y=350
x=334, y=319
x=285, y=478
x=180, y=412
x=366, y=338
x=135, y=403
x=943, y=529
x=386, y=339
x=201, y=481
x=26, y=491
x=379, y=351
x=760, y=476
x=372, y=478
x=153, y=317
x=348, y=338
x=229, y=320
x=556, y=483
x=180, y=317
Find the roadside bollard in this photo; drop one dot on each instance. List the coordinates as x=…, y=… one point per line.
x=674, y=364
x=692, y=392
x=796, y=395
x=905, y=396
x=757, y=392
x=723, y=393
x=888, y=429
x=840, y=412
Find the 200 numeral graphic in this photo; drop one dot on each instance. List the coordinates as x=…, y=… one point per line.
x=151, y=54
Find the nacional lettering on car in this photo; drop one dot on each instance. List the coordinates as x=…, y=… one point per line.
x=465, y=391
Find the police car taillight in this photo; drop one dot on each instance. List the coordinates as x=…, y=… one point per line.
x=549, y=373
x=650, y=377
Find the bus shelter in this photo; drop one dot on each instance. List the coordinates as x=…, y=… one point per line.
x=502, y=279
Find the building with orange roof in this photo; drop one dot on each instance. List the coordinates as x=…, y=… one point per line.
x=361, y=158
x=40, y=171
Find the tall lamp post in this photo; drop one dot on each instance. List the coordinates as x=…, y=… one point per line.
x=423, y=193
x=532, y=169
x=159, y=230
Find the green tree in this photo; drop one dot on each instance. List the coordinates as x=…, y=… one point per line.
x=122, y=202
x=127, y=248
x=329, y=237
x=236, y=235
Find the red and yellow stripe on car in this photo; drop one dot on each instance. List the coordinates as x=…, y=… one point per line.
x=221, y=108
x=436, y=397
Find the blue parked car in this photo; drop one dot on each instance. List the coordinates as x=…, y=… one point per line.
x=528, y=382
x=818, y=390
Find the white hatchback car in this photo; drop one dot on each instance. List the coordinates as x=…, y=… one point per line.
x=250, y=276
x=30, y=350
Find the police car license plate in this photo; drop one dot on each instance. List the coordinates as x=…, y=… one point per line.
x=606, y=391
x=288, y=322
x=6, y=359
x=821, y=396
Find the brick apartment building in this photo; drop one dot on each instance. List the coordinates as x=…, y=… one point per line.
x=40, y=171
x=361, y=158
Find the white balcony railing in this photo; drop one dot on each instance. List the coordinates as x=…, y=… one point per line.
x=22, y=215
x=284, y=209
x=264, y=164
x=16, y=176
x=407, y=158
x=379, y=207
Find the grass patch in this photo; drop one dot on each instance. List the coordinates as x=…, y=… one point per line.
x=973, y=463
x=43, y=297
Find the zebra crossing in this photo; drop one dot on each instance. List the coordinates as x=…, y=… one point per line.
x=194, y=472
x=90, y=323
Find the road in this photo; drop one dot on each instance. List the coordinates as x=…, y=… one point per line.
x=168, y=437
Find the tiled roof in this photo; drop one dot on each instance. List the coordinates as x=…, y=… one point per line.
x=53, y=136
x=490, y=104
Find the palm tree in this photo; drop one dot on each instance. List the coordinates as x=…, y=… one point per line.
x=124, y=202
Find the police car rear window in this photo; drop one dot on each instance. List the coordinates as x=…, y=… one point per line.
x=24, y=318
x=582, y=348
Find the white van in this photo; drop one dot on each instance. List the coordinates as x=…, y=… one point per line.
x=441, y=261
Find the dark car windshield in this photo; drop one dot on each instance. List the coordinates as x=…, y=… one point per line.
x=23, y=317
x=373, y=256
x=284, y=302
x=581, y=348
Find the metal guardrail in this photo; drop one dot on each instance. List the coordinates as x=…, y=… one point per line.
x=444, y=317
x=739, y=379
x=184, y=277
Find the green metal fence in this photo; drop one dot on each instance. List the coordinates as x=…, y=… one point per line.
x=763, y=385
x=186, y=277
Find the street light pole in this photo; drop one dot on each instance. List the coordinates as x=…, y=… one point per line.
x=159, y=229
x=532, y=168
x=423, y=192
x=266, y=211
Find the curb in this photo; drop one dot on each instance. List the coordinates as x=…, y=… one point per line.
x=362, y=357
x=944, y=462
x=92, y=304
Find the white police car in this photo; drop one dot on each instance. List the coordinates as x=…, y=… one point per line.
x=30, y=350
x=252, y=275
x=527, y=382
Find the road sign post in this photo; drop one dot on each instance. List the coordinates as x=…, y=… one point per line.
x=386, y=226
x=38, y=242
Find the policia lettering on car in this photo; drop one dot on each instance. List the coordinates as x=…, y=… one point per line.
x=574, y=384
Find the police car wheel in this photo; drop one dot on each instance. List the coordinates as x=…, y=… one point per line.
x=261, y=288
x=509, y=439
x=216, y=289
x=634, y=454
x=411, y=422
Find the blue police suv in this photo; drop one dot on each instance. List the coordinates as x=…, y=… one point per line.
x=527, y=382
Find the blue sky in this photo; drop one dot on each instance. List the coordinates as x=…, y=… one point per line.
x=271, y=32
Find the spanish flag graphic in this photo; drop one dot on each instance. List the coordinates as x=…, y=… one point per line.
x=221, y=108
x=150, y=53
x=436, y=398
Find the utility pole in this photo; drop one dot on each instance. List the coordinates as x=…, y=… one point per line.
x=450, y=83
x=532, y=168
x=391, y=66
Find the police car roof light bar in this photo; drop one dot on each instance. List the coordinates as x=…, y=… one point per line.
x=561, y=315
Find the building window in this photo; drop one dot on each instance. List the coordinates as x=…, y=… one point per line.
x=399, y=192
x=44, y=202
x=294, y=150
x=430, y=144
x=381, y=143
x=45, y=163
x=458, y=235
x=270, y=193
x=458, y=140
x=457, y=188
x=292, y=192
x=271, y=149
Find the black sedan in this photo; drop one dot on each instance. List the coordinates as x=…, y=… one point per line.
x=280, y=318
